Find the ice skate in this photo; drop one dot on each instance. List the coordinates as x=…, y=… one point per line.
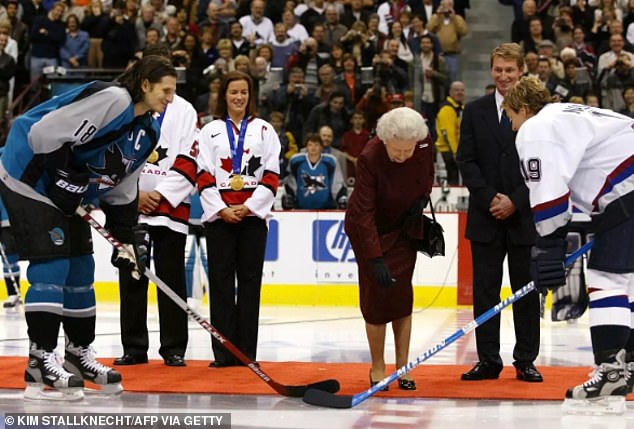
x=46, y=379
x=629, y=371
x=12, y=301
x=80, y=360
x=604, y=393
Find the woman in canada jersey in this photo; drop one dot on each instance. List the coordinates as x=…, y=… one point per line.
x=238, y=179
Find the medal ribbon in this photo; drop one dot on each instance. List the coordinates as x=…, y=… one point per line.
x=236, y=152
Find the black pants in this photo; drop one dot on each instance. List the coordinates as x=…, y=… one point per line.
x=236, y=252
x=488, y=259
x=168, y=249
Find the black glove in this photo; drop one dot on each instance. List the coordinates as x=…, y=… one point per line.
x=67, y=189
x=288, y=202
x=416, y=209
x=382, y=273
x=135, y=258
x=547, y=263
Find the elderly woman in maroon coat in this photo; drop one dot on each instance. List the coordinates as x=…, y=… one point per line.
x=395, y=173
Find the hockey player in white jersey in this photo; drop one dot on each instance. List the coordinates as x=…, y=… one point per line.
x=581, y=155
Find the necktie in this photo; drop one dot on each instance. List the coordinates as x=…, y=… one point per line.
x=505, y=122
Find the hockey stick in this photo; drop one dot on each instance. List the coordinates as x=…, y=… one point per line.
x=330, y=385
x=325, y=399
x=5, y=261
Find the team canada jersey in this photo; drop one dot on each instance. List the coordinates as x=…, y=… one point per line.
x=106, y=140
x=173, y=171
x=575, y=154
x=260, y=168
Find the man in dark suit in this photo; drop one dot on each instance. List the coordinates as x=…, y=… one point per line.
x=499, y=221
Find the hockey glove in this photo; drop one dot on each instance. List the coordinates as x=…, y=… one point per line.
x=382, y=273
x=67, y=190
x=547, y=263
x=135, y=258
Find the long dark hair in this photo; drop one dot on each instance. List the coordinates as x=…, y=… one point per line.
x=221, y=107
x=151, y=67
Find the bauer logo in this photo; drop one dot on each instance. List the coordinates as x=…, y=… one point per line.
x=57, y=236
x=330, y=242
x=272, y=241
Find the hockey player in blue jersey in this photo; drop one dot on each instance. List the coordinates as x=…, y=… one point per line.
x=573, y=154
x=314, y=180
x=87, y=145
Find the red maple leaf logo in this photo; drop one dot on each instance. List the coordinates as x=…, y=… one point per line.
x=225, y=164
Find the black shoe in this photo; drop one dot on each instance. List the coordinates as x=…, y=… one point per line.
x=406, y=384
x=528, y=373
x=223, y=363
x=482, y=371
x=374, y=383
x=131, y=359
x=175, y=360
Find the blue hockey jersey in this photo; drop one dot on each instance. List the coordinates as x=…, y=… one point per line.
x=315, y=185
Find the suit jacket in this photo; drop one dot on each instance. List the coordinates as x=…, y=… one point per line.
x=488, y=161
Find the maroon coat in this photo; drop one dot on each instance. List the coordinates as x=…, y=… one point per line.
x=383, y=192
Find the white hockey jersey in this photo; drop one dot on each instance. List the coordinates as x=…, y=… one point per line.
x=173, y=174
x=576, y=154
x=260, y=168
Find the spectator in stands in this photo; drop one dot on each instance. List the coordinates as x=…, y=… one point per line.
x=546, y=75
x=334, y=30
x=47, y=37
x=119, y=42
x=520, y=28
x=450, y=28
x=563, y=27
x=403, y=51
x=571, y=84
x=32, y=9
x=219, y=28
x=327, y=138
x=583, y=15
x=185, y=27
x=418, y=29
x=619, y=77
x=295, y=100
x=336, y=57
x=356, y=42
x=328, y=85
x=351, y=78
x=283, y=46
x=19, y=33
x=171, y=39
x=354, y=12
x=332, y=113
x=319, y=34
x=535, y=35
x=376, y=38
x=531, y=62
x=608, y=59
x=287, y=141
x=615, y=27
x=241, y=45
x=314, y=180
x=160, y=8
x=628, y=19
x=307, y=59
x=203, y=102
x=628, y=97
x=256, y=27
x=391, y=70
x=208, y=49
x=374, y=103
x=434, y=79
x=353, y=141
x=546, y=48
x=390, y=11
x=74, y=51
x=448, y=130
x=593, y=100
x=225, y=53
x=264, y=86
x=96, y=23
x=147, y=19
x=313, y=15
x=7, y=71
x=585, y=51
x=294, y=29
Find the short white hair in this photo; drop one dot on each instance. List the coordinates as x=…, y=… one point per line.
x=402, y=123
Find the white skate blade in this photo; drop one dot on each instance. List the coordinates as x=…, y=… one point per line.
x=38, y=392
x=104, y=390
x=599, y=406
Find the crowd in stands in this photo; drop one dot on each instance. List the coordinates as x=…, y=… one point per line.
x=582, y=50
x=314, y=62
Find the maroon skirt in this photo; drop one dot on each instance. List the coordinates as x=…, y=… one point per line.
x=380, y=305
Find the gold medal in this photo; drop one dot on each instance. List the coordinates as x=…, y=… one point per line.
x=153, y=158
x=236, y=182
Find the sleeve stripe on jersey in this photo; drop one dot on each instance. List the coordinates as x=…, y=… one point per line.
x=179, y=213
x=270, y=180
x=621, y=173
x=206, y=180
x=551, y=208
x=185, y=166
x=609, y=302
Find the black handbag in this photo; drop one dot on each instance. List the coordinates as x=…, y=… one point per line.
x=433, y=241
